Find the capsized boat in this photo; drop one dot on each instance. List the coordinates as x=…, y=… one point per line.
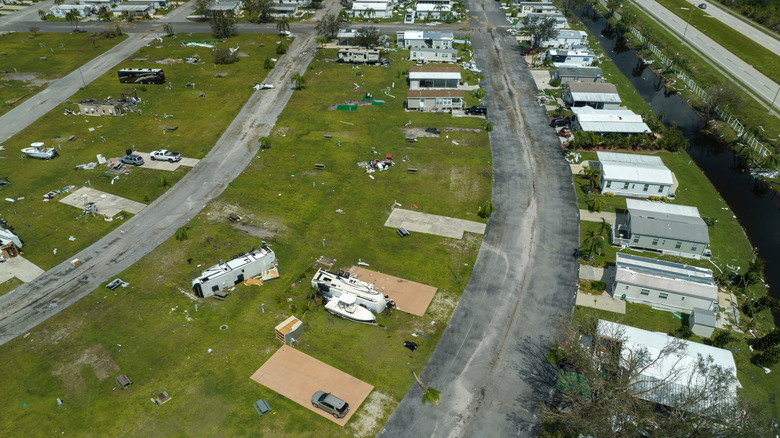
x=36, y=150
x=345, y=306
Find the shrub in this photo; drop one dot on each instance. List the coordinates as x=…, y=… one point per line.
x=684, y=332
x=488, y=126
x=609, y=194
x=555, y=83
x=181, y=234
x=768, y=357
x=268, y=64
x=721, y=338
x=486, y=209
x=281, y=49
x=223, y=55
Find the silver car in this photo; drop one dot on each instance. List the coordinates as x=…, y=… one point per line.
x=132, y=159
x=330, y=403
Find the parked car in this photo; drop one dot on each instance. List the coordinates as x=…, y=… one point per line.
x=560, y=122
x=165, y=155
x=132, y=159
x=478, y=110
x=527, y=51
x=330, y=404
x=703, y=5
x=564, y=132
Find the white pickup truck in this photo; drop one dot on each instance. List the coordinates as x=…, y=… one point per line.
x=165, y=155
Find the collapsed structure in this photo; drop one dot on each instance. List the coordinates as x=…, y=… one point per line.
x=333, y=285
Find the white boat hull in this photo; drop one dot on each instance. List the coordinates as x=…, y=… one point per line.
x=40, y=153
x=351, y=312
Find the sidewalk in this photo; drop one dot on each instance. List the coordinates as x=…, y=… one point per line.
x=601, y=302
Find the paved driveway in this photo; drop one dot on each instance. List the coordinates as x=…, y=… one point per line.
x=490, y=364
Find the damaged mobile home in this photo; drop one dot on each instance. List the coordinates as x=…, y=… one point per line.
x=333, y=285
x=228, y=274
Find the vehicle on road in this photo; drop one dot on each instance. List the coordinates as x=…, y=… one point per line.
x=477, y=110
x=258, y=87
x=330, y=403
x=165, y=155
x=132, y=159
x=703, y=5
x=560, y=122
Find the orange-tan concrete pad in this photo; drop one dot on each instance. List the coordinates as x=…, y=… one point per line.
x=298, y=376
x=409, y=296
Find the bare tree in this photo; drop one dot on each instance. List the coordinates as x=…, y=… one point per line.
x=201, y=6
x=724, y=96
x=261, y=8
x=367, y=37
x=223, y=25
x=540, y=29
x=568, y=6
x=34, y=30
x=328, y=27
x=610, y=387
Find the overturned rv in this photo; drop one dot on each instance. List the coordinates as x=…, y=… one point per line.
x=333, y=285
x=227, y=274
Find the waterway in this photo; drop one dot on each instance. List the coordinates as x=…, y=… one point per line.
x=758, y=213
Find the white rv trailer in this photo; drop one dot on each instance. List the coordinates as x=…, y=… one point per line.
x=228, y=274
x=359, y=56
x=333, y=285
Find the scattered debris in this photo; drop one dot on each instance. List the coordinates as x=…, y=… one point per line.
x=123, y=382
x=163, y=397
x=410, y=345
x=116, y=283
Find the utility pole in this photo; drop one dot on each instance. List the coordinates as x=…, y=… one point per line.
x=773, y=101
x=687, y=22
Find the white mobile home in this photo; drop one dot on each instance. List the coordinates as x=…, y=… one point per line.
x=608, y=121
x=83, y=11
x=673, y=287
x=333, y=285
x=568, y=74
x=597, y=95
x=633, y=175
x=422, y=54
x=525, y=8
x=570, y=57
x=567, y=38
x=416, y=38
x=434, y=76
x=667, y=378
x=228, y=274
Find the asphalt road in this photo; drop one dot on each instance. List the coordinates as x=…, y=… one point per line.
x=741, y=24
x=748, y=76
x=34, y=302
x=490, y=364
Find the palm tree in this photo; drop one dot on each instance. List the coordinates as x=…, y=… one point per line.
x=596, y=239
x=299, y=81
x=322, y=41
x=283, y=24
x=370, y=12
x=593, y=176
x=73, y=17
x=596, y=204
x=430, y=395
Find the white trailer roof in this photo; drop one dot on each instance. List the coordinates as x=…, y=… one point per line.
x=634, y=167
x=662, y=275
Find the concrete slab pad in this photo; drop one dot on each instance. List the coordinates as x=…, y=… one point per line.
x=20, y=268
x=432, y=224
x=409, y=296
x=602, y=302
x=298, y=376
x=107, y=204
x=164, y=165
x=542, y=79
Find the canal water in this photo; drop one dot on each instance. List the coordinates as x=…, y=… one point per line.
x=759, y=213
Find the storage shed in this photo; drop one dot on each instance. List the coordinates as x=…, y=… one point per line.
x=702, y=322
x=289, y=330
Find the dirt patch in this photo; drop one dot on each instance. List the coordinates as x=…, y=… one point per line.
x=242, y=55
x=415, y=132
x=24, y=77
x=370, y=412
x=97, y=357
x=350, y=102
x=454, y=129
x=442, y=306
x=280, y=131
x=169, y=61
x=257, y=226
x=462, y=182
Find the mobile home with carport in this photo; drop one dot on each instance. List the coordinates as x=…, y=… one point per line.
x=665, y=228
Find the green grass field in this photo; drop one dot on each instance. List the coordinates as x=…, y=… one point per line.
x=200, y=122
x=21, y=57
x=152, y=332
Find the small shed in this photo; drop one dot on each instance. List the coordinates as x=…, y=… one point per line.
x=289, y=330
x=92, y=107
x=123, y=381
x=702, y=322
x=161, y=398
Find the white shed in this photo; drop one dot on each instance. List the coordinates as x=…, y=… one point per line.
x=702, y=322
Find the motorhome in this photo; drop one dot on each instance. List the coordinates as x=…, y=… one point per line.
x=333, y=285
x=228, y=274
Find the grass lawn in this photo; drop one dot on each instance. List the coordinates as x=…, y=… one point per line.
x=751, y=52
x=10, y=285
x=728, y=241
x=152, y=332
x=21, y=53
x=200, y=121
x=756, y=384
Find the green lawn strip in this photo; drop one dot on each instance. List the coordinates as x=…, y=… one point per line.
x=751, y=113
x=23, y=53
x=745, y=48
x=164, y=348
x=756, y=384
x=10, y=285
x=200, y=121
x=694, y=190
